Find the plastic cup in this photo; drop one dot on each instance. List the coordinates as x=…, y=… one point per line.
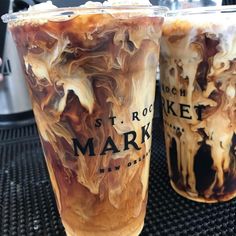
x=91, y=75
x=198, y=83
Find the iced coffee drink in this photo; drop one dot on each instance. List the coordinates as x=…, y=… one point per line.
x=198, y=84
x=91, y=76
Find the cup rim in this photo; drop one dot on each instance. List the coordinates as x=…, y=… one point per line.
x=203, y=10
x=70, y=11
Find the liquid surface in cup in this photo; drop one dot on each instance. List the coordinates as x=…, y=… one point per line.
x=92, y=84
x=198, y=76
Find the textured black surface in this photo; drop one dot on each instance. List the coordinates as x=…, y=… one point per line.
x=27, y=204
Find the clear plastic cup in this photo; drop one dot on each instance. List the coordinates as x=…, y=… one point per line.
x=91, y=75
x=198, y=83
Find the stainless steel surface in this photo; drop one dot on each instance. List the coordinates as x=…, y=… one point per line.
x=14, y=96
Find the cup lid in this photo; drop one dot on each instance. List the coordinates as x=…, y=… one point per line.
x=203, y=10
x=74, y=11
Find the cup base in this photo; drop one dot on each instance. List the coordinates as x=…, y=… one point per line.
x=184, y=194
x=121, y=232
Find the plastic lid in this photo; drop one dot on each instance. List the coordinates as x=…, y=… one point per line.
x=204, y=10
x=57, y=13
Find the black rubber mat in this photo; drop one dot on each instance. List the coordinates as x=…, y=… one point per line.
x=27, y=204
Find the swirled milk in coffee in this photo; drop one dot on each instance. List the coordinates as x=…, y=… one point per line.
x=198, y=83
x=91, y=76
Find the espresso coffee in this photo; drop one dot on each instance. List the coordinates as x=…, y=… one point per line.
x=198, y=77
x=91, y=76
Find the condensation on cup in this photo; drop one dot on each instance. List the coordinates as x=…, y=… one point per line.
x=91, y=77
x=198, y=85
